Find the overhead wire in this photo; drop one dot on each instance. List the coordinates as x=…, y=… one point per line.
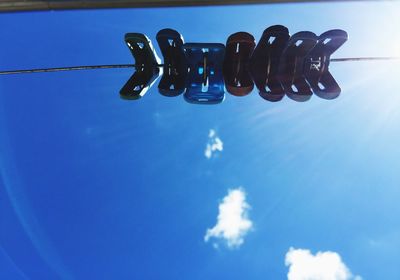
x=121, y=66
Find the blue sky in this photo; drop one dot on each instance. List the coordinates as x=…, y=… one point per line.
x=95, y=187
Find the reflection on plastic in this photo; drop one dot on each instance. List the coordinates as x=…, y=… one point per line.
x=205, y=83
x=280, y=64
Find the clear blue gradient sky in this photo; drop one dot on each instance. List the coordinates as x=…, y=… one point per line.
x=95, y=187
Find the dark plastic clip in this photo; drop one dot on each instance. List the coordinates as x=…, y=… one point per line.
x=205, y=83
x=239, y=48
x=172, y=82
x=146, y=66
x=316, y=66
x=291, y=70
x=265, y=62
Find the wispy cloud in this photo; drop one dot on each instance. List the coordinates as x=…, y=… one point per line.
x=214, y=144
x=303, y=265
x=232, y=221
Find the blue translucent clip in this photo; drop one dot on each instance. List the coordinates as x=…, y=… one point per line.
x=205, y=83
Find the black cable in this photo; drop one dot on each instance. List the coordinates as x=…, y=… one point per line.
x=363, y=59
x=118, y=66
x=73, y=68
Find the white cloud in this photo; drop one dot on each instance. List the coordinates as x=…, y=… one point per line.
x=233, y=222
x=214, y=144
x=303, y=265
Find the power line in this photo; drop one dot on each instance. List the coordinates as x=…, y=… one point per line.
x=119, y=66
x=363, y=59
x=72, y=68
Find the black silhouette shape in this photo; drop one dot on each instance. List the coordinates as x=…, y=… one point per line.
x=291, y=67
x=146, y=66
x=316, y=68
x=172, y=82
x=239, y=48
x=265, y=62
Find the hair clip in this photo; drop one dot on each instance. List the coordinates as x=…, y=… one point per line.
x=146, y=66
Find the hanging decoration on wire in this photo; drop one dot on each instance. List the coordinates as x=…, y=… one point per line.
x=280, y=64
